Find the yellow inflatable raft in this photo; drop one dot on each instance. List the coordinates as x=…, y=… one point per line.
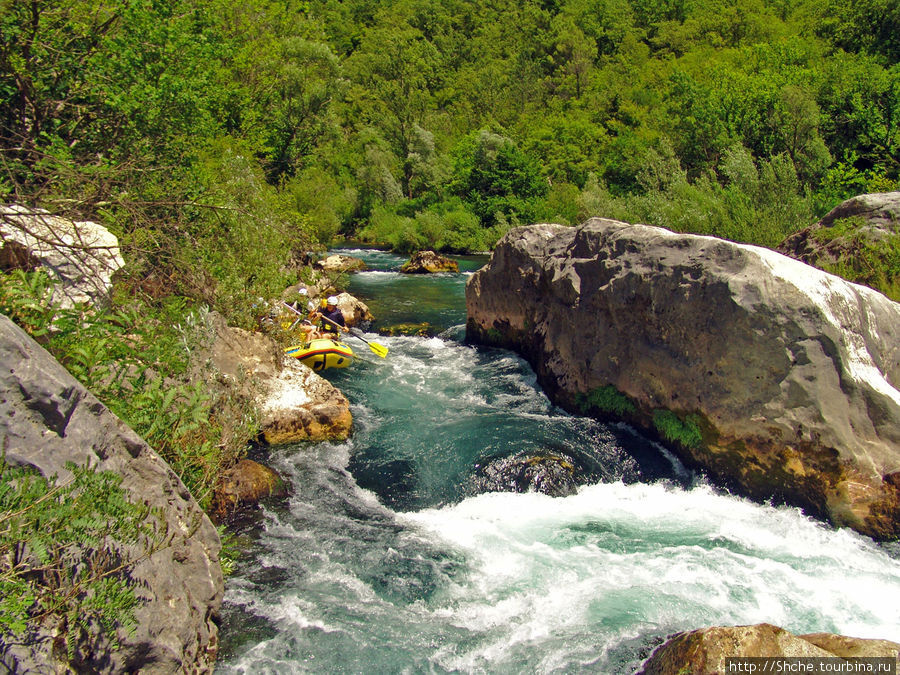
x=322, y=353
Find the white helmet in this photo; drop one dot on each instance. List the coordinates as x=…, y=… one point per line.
x=332, y=300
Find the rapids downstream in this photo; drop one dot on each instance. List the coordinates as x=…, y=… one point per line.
x=389, y=557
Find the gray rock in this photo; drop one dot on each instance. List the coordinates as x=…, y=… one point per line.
x=845, y=238
x=786, y=377
x=48, y=419
x=553, y=474
x=82, y=256
x=292, y=402
x=340, y=263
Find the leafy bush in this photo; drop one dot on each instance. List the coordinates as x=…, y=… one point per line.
x=447, y=226
x=760, y=203
x=864, y=258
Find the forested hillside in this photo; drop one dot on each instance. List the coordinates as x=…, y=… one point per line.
x=439, y=123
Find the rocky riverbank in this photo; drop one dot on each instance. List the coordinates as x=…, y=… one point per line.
x=776, y=379
x=707, y=651
x=47, y=418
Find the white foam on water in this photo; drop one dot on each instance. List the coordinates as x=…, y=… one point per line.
x=380, y=275
x=619, y=559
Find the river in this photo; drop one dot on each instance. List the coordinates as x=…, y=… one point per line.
x=389, y=558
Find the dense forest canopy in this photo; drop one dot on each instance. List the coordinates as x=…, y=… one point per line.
x=222, y=139
x=441, y=122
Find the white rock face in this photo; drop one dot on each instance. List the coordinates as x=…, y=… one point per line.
x=82, y=256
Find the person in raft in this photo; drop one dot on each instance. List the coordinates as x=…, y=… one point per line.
x=306, y=327
x=331, y=319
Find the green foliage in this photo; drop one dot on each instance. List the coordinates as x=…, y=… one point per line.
x=325, y=202
x=685, y=432
x=135, y=360
x=447, y=227
x=303, y=81
x=230, y=552
x=26, y=299
x=606, y=399
x=759, y=203
x=493, y=176
x=864, y=257
x=872, y=26
x=66, y=549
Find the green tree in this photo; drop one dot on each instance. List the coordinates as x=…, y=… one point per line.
x=301, y=83
x=860, y=104
x=796, y=120
x=48, y=95
x=572, y=58
x=493, y=175
x=394, y=70
x=870, y=26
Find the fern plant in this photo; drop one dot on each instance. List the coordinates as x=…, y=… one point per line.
x=685, y=432
x=66, y=551
x=606, y=399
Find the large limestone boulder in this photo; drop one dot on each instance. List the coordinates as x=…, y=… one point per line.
x=355, y=311
x=48, y=419
x=707, y=651
x=294, y=403
x=301, y=406
x=777, y=379
x=340, y=263
x=82, y=256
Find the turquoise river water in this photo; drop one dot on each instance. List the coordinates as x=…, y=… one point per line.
x=386, y=558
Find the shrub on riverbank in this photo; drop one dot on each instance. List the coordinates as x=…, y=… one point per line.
x=135, y=359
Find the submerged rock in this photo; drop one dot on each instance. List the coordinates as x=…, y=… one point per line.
x=706, y=651
x=775, y=378
x=246, y=483
x=552, y=474
x=429, y=262
x=47, y=419
x=423, y=329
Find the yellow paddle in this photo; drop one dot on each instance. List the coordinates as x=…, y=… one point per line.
x=377, y=349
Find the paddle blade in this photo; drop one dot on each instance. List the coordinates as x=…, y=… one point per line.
x=378, y=349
